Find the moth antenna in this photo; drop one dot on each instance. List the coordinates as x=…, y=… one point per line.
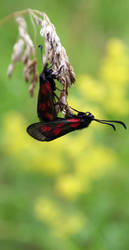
x=106, y=122
x=41, y=51
x=122, y=123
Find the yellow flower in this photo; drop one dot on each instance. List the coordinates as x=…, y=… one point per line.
x=116, y=49
x=117, y=101
x=115, y=68
x=91, y=89
x=15, y=138
x=115, y=73
x=74, y=224
x=48, y=162
x=95, y=163
x=69, y=186
x=47, y=211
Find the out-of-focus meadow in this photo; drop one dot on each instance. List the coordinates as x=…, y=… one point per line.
x=72, y=193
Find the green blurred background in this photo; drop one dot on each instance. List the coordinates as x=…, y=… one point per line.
x=72, y=193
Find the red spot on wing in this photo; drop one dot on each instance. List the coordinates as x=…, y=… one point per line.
x=57, y=131
x=73, y=120
x=60, y=125
x=75, y=124
x=49, y=116
x=48, y=103
x=42, y=106
x=45, y=128
x=48, y=86
x=43, y=89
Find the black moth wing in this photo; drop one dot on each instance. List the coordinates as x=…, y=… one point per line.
x=55, y=129
x=34, y=131
x=46, y=105
x=46, y=97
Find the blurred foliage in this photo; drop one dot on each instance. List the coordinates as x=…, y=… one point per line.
x=71, y=193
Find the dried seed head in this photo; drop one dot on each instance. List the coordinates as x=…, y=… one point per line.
x=55, y=54
x=24, y=51
x=10, y=69
x=66, y=110
x=26, y=56
x=22, y=27
x=30, y=74
x=16, y=55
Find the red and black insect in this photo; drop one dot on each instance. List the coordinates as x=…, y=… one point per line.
x=48, y=131
x=50, y=126
x=46, y=97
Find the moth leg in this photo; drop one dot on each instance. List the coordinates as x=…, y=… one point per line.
x=55, y=74
x=59, y=89
x=75, y=110
x=56, y=96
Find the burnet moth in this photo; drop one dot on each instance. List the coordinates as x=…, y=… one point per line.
x=46, y=96
x=48, y=131
x=50, y=126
